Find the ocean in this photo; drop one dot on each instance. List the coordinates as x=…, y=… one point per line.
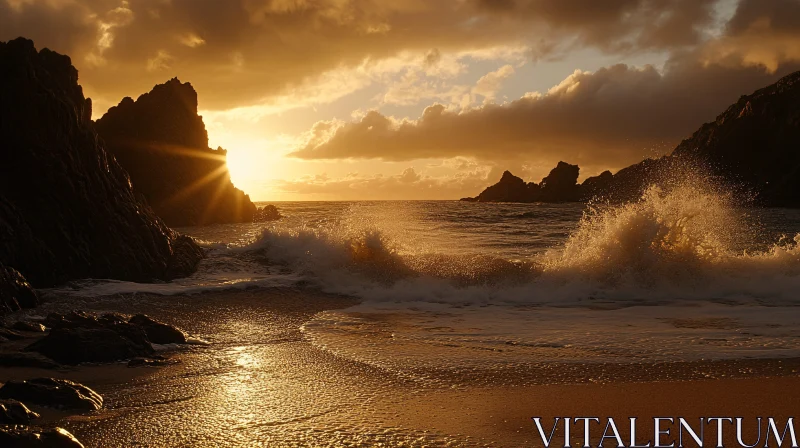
x=682, y=276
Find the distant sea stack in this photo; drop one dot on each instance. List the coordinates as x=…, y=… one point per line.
x=561, y=185
x=754, y=147
x=67, y=209
x=163, y=144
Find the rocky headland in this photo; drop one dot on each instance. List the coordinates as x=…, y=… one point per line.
x=161, y=141
x=67, y=208
x=752, y=148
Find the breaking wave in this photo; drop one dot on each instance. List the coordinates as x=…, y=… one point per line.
x=689, y=242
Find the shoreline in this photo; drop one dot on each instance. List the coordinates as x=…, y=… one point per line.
x=276, y=385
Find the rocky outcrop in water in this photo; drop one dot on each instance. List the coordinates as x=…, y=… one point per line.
x=753, y=148
x=267, y=213
x=67, y=208
x=163, y=144
x=510, y=188
x=559, y=186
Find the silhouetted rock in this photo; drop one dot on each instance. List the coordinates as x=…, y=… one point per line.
x=12, y=412
x=629, y=183
x=751, y=147
x=267, y=213
x=26, y=437
x=157, y=332
x=76, y=345
x=78, y=337
x=595, y=186
x=559, y=186
x=163, y=144
x=510, y=188
x=15, y=292
x=755, y=143
x=54, y=393
x=67, y=208
x=186, y=255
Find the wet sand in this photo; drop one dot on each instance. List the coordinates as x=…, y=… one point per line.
x=261, y=383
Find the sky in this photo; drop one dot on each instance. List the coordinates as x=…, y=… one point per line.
x=423, y=99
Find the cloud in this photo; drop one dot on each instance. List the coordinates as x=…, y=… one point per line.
x=608, y=118
x=760, y=33
x=614, y=116
x=241, y=53
x=488, y=85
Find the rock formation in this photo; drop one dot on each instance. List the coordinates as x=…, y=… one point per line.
x=163, y=144
x=510, y=188
x=755, y=143
x=753, y=147
x=559, y=186
x=80, y=337
x=67, y=208
x=15, y=292
x=267, y=213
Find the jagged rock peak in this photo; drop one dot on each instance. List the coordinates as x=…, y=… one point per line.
x=51, y=68
x=166, y=114
x=162, y=142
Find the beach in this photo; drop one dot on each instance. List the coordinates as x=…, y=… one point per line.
x=349, y=223
x=261, y=382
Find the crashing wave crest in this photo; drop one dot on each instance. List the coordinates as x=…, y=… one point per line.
x=681, y=243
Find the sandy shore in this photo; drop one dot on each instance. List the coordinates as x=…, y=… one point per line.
x=502, y=416
x=260, y=383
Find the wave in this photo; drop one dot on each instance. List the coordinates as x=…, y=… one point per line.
x=688, y=242
x=680, y=243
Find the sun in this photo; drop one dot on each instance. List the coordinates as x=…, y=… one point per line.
x=240, y=166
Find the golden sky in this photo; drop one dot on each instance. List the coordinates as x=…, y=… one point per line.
x=423, y=99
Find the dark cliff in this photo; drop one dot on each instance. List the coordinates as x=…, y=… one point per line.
x=755, y=143
x=67, y=209
x=163, y=144
x=753, y=147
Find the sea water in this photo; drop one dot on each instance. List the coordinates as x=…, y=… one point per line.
x=676, y=276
